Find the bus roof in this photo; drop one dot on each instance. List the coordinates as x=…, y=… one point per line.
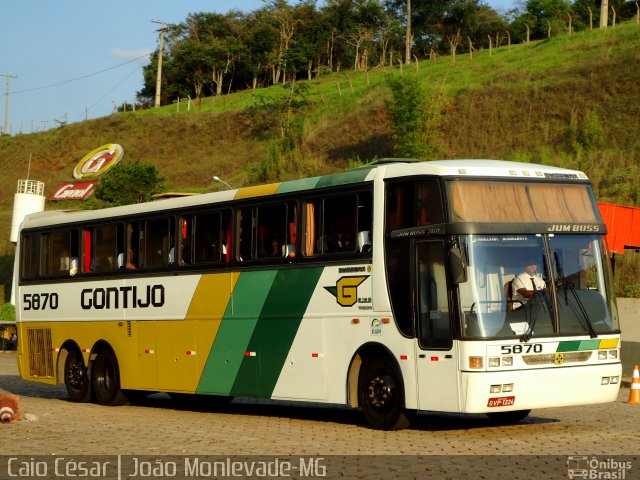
x=392, y=168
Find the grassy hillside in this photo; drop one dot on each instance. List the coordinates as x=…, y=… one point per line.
x=571, y=101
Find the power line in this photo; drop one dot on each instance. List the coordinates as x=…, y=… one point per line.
x=80, y=78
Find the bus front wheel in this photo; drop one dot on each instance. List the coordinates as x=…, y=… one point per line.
x=380, y=395
x=76, y=379
x=106, y=379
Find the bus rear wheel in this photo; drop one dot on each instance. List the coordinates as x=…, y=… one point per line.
x=380, y=395
x=76, y=379
x=508, y=418
x=105, y=379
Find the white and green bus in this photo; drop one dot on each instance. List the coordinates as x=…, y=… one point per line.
x=390, y=287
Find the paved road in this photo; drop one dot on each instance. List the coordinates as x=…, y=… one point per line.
x=160, y=427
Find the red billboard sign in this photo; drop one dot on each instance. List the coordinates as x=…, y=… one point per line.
x=73, y=191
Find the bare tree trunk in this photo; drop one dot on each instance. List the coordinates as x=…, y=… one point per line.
x=528, y=32
x=548, y=29
x=490, y=45
x=570, y=29
x=454, y=41
x=590, y=18
x=470, y=47
x=604, y=14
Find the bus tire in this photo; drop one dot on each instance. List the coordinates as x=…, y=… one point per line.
x=105, y=378
x=76, y=378
x=380, y=394
x=508, y=418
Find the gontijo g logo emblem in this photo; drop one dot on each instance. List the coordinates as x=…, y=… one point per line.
x=98, y=161
x=346, y=290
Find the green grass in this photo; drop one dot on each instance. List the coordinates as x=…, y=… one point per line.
x=527, y=102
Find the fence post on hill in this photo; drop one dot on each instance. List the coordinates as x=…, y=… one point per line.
x=613, y=19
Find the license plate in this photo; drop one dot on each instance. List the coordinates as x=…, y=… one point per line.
x=501, y=402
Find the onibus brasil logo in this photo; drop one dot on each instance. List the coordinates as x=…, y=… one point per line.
x=346, y=290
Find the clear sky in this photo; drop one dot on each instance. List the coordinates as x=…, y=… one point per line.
x=50, y=44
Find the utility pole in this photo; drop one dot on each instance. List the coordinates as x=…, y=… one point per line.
x=159, y=74
x=6, y=103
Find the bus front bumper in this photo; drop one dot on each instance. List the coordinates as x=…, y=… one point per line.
x=484, y=392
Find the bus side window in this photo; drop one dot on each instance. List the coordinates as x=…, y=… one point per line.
x=365, y=206
x=413, y=203
x=159, y=245
x=30, y=254
x=131, y=257
x=434, y=326
x=206, y=233
x=340, y=223
x=57, y=253
x=311, y=228
x=271, y=232
x=105, y=248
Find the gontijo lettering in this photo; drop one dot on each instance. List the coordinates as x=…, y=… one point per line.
x=125, y=297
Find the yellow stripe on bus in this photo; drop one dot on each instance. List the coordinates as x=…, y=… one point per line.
x=608, y=343
x=207, y=308
x=257, y=191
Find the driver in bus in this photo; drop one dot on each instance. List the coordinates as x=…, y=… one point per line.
x=527, y=284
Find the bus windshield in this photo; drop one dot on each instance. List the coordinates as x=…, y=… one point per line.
x=537, y=285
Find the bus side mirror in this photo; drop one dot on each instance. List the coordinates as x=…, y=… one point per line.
x=458, y=265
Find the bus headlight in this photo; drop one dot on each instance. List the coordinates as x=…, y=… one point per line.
x=495, y=389
x=602, y=354
x=613, y=354
x=507, y=361
x=494, y=362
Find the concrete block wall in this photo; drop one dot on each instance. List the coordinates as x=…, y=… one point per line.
x=629, y=310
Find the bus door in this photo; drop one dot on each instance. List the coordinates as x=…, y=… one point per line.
x=436, y=353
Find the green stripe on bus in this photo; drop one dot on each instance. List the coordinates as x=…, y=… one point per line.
x=569, y=346
x=350, y=176
x=589, y=344
x=238, y=324
x=578, y=345
x=274, y=334
x=298, y=185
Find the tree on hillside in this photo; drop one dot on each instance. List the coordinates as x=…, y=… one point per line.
x=129, y=183
x=540, y=12
x=408, y=116
x=211, y=53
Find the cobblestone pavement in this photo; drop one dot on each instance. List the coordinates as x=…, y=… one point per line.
x=247, y=427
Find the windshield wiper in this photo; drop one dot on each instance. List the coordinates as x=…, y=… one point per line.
x=533, y=313
x=566, y=287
